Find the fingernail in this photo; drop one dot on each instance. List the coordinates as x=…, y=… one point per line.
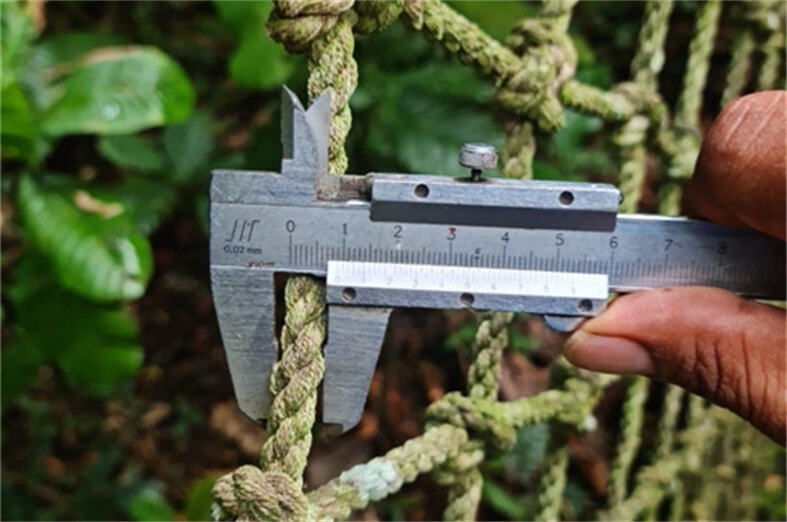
x=608, y=354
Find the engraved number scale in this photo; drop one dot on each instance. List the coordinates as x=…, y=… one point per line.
x=399, y=240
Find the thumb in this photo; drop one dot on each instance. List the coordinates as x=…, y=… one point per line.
x=727, y=349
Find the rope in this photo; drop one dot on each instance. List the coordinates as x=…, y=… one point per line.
x=544, y=36
x=553, y=481
x=464, y=493
x=649, y=58
x=740, y=62
x=645, y=67
x=295, y=379
x=322, y=29
x=687, y=113
x=772, y=50
x=533, y=76
x=630, y=427
x=669, y=419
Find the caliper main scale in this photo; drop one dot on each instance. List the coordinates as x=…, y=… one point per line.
x=399, y=240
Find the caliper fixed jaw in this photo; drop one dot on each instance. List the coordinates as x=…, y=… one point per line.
x=244, y=294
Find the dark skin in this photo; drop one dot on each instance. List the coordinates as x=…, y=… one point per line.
x=709, y=341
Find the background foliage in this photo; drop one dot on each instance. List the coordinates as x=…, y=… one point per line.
x=116, y=399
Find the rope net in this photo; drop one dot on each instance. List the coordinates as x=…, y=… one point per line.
x=689, y=470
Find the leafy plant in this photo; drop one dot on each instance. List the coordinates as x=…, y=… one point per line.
x=94, y=345
x=86, y=250
x=257, y=62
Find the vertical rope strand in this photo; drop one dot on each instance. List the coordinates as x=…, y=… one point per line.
x=645, y=68
x=630, y=437
x=464, y=493
x=295, y=379
x=549, y=497
x=332, y=68
x=740, y=65
x=649, y=58
x=773, y=52
x=687, y=113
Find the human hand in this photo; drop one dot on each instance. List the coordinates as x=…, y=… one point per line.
x=727, y=349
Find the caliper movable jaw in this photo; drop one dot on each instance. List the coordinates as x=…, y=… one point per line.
x=245, y=294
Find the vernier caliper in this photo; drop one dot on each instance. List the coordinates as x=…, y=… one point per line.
x=400, y=240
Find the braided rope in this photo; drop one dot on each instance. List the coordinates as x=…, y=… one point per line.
x=740, y=62
x=532, y=74
x=645, y=67
x=464, y=493
x=772, y=49
x=669, y=419
x=553, y=481
x=630, y=437
x=649, y=59
x=295, y=379
x=687, y=113
x=545, y=35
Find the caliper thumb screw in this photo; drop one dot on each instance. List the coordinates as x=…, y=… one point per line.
x=476, y=157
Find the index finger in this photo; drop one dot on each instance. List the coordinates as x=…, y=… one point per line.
x=742, y=167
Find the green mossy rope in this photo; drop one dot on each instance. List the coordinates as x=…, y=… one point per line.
x=465, y=481
x=630, y=437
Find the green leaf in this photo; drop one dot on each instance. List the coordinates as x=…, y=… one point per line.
x=18, y=126
x=130, y=151
x=503, y=501
x=258, y=62
x=150, y=505
x=188, y=146
x=200, y=499
x=62, y=48
x=19, y=365
x=16, y=34
x=147, y=200
x=53, y=54
x=118, y=90
x=94, y=251
x=436, y=131
x=527, y=454
x=238, y=16
x=497, y=21
x=421, y=118
x=95, y=346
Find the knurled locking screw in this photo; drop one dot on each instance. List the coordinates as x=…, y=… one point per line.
x=476, y=157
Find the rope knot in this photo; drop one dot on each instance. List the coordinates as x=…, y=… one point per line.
x=476, y=415
x=250, y=494
x=535, y=96
x=296, y=23
x=376, y=15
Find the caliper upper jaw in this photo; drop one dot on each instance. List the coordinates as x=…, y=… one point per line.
x=305, y=137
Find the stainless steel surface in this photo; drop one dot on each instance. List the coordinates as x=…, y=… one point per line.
x=355, y=336
x=405, y=198
x=245, y=307
x=642, y=252
x=301, y=220
x=478, y=156
x=562, y=323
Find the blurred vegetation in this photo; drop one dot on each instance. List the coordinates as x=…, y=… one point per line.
x=113, y=115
